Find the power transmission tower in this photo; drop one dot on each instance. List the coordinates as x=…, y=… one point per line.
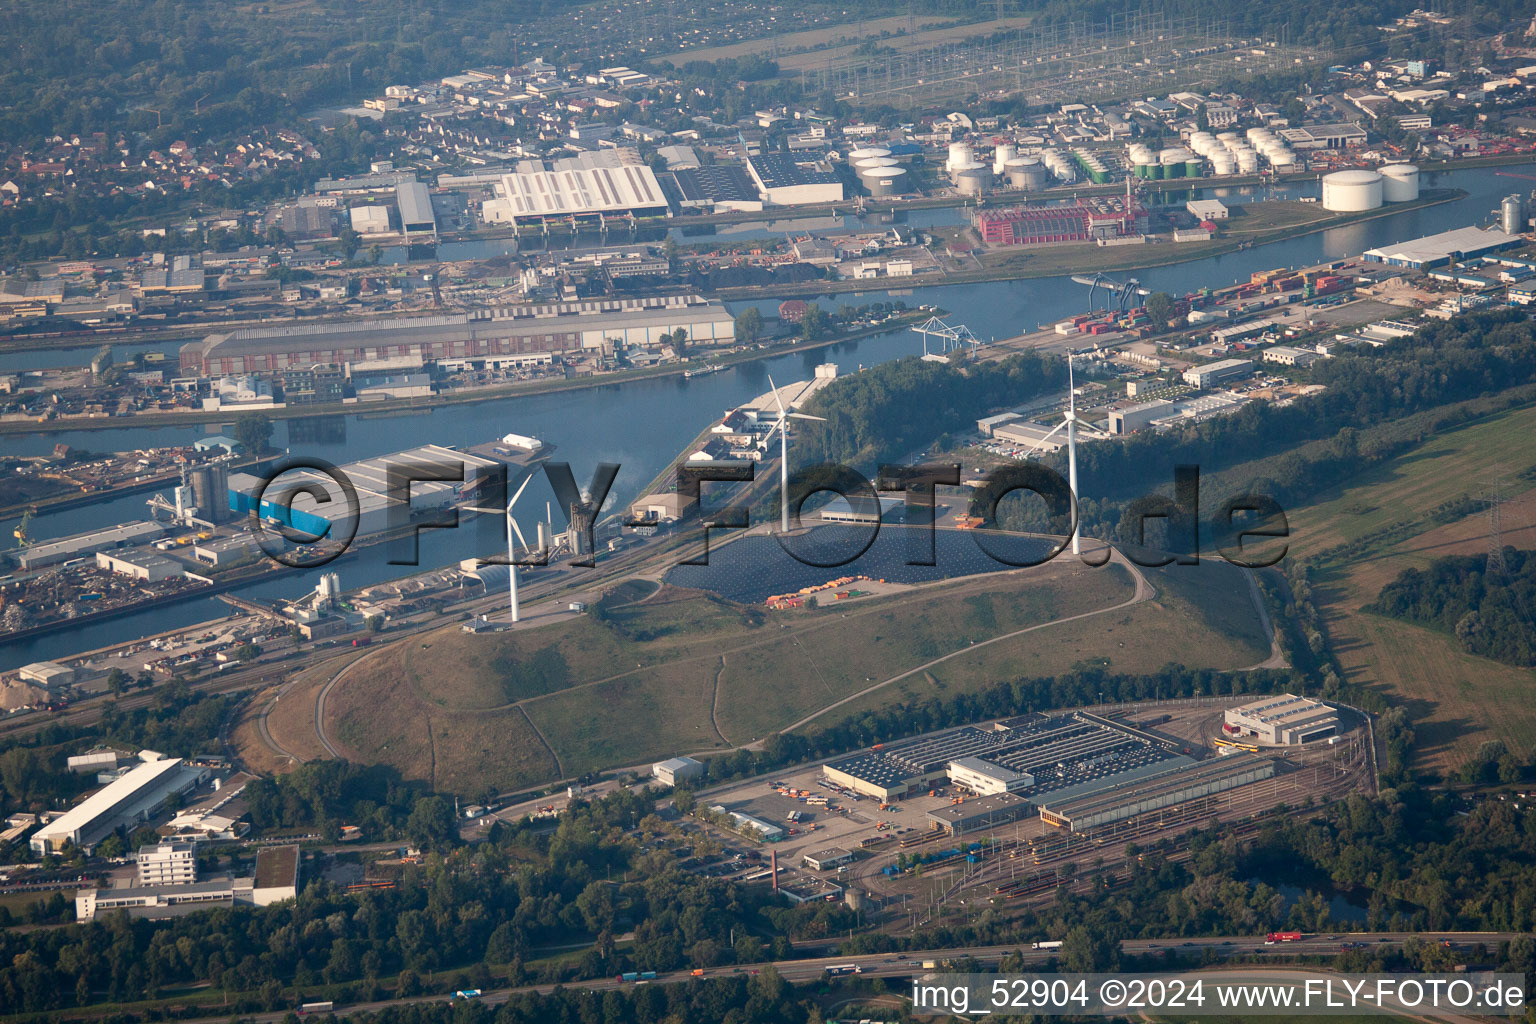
x=1493, y=498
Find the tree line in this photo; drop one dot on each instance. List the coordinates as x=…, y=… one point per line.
x=1490, y=614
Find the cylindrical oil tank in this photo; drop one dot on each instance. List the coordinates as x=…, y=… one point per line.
x=866, y=152
x=1351, y=191
x=887, y=181
x=1194, y=168
x=1247, y=161
x=973, y=180
x=959, y=156
x=1171, y=156
x=1027, y=173
x=1257, y=133
x=1000, y=157
x=865, y=163
x=1283, y=160
x=1512, y=215
x=1223, y=163
x=1399, y=183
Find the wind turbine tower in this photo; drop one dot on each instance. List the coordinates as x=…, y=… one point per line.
x=782, y=426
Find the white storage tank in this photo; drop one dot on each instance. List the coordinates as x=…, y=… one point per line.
x=1000, y=156
x=1399, y=183
x=1351, y=191
x=886, y=181
x=1223, y=163
x=1283, y=160
x=1171, y=156
x=973, y=180
x=867, y=152
x=959, y=156
x=1512, y=215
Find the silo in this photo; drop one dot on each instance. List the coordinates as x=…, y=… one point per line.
x=1351, y=191
x=973, y=180
x=1027, y=173
x=886, y=181
x=1512, y=215
x=1000, y=157
x=210, y=492
x=1399, y=183
x=855, y=899
x=959, y=156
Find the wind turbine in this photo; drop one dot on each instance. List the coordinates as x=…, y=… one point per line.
x=781, y=425
x=512, y=528
x=1071, y=421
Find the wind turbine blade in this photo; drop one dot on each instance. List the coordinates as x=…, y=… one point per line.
x=1071, y=390
x=1044, y=439
x=776, y=400
x=517, y=530
x=481, y=508
x=803, y=416
x=521, y=488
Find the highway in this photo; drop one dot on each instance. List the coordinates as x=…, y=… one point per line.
x=910, y=964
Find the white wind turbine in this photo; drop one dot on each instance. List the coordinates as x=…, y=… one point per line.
x=1072, y=422
x=512, y=528
x=782, y=426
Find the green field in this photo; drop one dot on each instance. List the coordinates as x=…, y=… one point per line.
x=1457, y=701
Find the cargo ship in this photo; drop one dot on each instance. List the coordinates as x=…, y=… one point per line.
x=703, y=371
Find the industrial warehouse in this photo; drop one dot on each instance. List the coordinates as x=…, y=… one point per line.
x=1071, y=754
x=287, y=501
x=514, y=330
x=1282, y=721
x=998, y=811
x=128, y=800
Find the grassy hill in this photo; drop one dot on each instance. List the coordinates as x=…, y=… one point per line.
x=656, y=672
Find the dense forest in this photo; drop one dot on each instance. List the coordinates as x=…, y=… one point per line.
x=887, y=411
x=1493, y=615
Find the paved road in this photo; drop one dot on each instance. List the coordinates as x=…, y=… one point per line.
x=889, y=965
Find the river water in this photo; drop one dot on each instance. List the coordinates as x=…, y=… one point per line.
x=643, y=424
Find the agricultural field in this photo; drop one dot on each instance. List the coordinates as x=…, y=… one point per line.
x=796, y=51
x=1457, y=701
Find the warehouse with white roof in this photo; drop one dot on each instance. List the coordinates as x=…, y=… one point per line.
x=126, y=802
x=587, y=192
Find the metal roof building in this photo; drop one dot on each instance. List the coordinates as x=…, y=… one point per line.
x=784, y=182
x=1204, y=779
x=64, y=548
x=630, y=189
x=415, y=208
x=506, y=331
x=127, y=801
x=1283, y=720
x=1444, y=247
